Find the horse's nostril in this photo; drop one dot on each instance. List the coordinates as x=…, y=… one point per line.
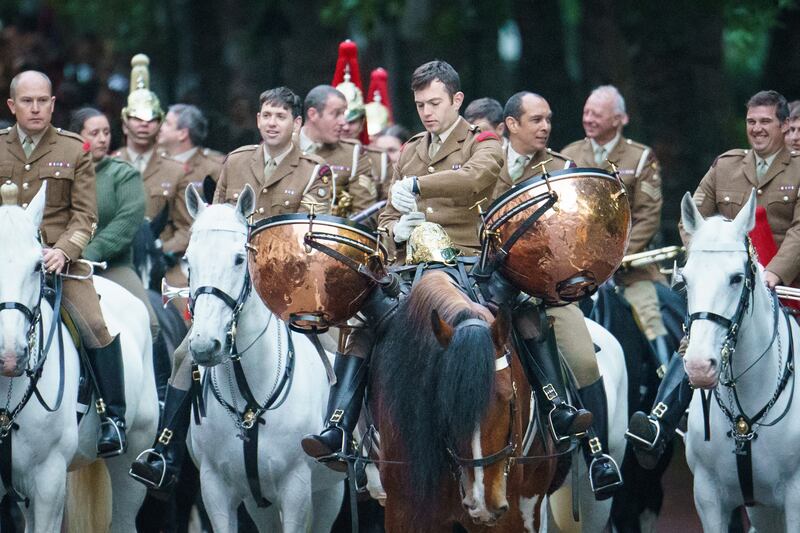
x=712, y=364
x=502, y=509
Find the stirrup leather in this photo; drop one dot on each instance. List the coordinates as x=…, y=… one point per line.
x=144, y=458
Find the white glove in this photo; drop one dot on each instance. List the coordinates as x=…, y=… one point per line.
x=403, y=197
x=406, y=224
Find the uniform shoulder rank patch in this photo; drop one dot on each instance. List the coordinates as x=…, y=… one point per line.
x=653, y=191
x=368, y=183
x=699, y=197
x=486, y=135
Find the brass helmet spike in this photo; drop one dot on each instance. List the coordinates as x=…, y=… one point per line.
x=9, y=193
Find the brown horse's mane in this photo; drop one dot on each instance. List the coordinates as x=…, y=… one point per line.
x=436, y=290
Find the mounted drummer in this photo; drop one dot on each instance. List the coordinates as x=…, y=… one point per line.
x=604, y=117
x=285, y=180
x=35, y=153
x=773, y=171
x=528, y=122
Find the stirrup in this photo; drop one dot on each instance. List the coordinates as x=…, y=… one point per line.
x=562, y=438
x=143, y=458
x=638, y=440
x=604, y=457
x=122, y=447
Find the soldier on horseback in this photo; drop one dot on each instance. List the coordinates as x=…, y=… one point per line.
x=441, y=173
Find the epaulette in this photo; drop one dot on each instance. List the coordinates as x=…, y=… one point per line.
x=635, y=144
x=245, y=148
x=736, y=152
x=474, y=128
x=314, y=158
x=576, y=143
x=794, y=153
x=69, y=134
x=350, y=141
x=485, y=136
x=116, y=153
x=6, y=131
x=558, y=155
x=214, y=155
x=372, y=149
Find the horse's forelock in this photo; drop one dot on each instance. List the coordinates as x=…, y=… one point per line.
x=17, y=228
x=218, y=216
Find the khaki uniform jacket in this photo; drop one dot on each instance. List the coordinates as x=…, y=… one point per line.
x=556, y=161
x=203, y=163
x=727, y=186
x=463, y=172
x=299, y=177
x=165, y=181
x=381, y=170
x=353, y=169
x=59, y=159
x=641, y=174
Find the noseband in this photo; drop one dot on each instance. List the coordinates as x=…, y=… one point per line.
x=33, y=316
x=234, y=305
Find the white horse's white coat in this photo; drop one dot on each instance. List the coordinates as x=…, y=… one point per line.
x=305, y=496
x=595, y=514
x=712, y=286
x=46, y=444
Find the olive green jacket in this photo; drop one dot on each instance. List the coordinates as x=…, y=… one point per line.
x=120, y=212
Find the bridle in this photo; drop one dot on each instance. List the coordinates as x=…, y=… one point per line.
x=732, y=324
x=507, y=453
x=33, y=316
x=234, y=305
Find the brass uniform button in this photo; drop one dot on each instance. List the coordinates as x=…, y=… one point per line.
x=58, y=173
x=431, y=170
x=286, y=203
x=429, y=209
x=25, y=205
x=264, y=189
x=236, y=196
x=260, y=210
x=25, y=186
x=322, y=193
x=28, y=166
x=759, y=191
x=165, y=192
x=785, y=198
x=325, y=179
x=727, y=198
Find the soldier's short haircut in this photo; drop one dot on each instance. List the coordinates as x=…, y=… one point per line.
x=318, y=97
x=771, y=98
x=80, y=116
x=795, y=113
x=486, y=108
x=397, y=131
x=15, y=81
x=426, y=74
x=513, y=107
x=613, y=92
x=282, y=97
x=192, y=119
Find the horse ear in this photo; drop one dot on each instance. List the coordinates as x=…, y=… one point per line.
x=746, y=218
x=442, y=330
x=246, y=203
x=500, y=328
x=194, y=202
x=690, y=216
x=35, y=209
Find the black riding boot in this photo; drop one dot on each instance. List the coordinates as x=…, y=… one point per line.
x=662, y=353
x=542, y=365
x=649, y=434
x=106, y=364
x=604, y=474
x=344, y=408
x=158, y=467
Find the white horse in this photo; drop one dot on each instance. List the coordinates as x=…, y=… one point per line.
x=304, y=495
x=725, y=286
x=595, y=515
x=45, y=444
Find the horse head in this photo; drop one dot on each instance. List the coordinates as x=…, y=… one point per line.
x=218, y=281
x=21, y=281
x=720, y=276
x=483, y=458
x=442, y=383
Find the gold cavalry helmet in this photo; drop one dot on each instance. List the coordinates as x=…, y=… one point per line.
x=378, y=111
x=430, y=243
x=142, y=102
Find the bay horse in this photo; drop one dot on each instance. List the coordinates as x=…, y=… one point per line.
x=452, y=404
x=741, y=348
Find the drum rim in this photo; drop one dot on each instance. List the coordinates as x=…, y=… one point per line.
x=290, y=218
x=529, y=183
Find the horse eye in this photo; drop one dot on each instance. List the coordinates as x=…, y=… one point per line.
x=38, y=267
x=239, y=259
x=736, y=279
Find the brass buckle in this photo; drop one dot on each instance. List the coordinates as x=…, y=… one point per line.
x=660, y=410
x=337, y=415
x=196, y=374
x=249, y=419
x=550, y=392
x=594, y=446
x=100, y=406
x=165, y=437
